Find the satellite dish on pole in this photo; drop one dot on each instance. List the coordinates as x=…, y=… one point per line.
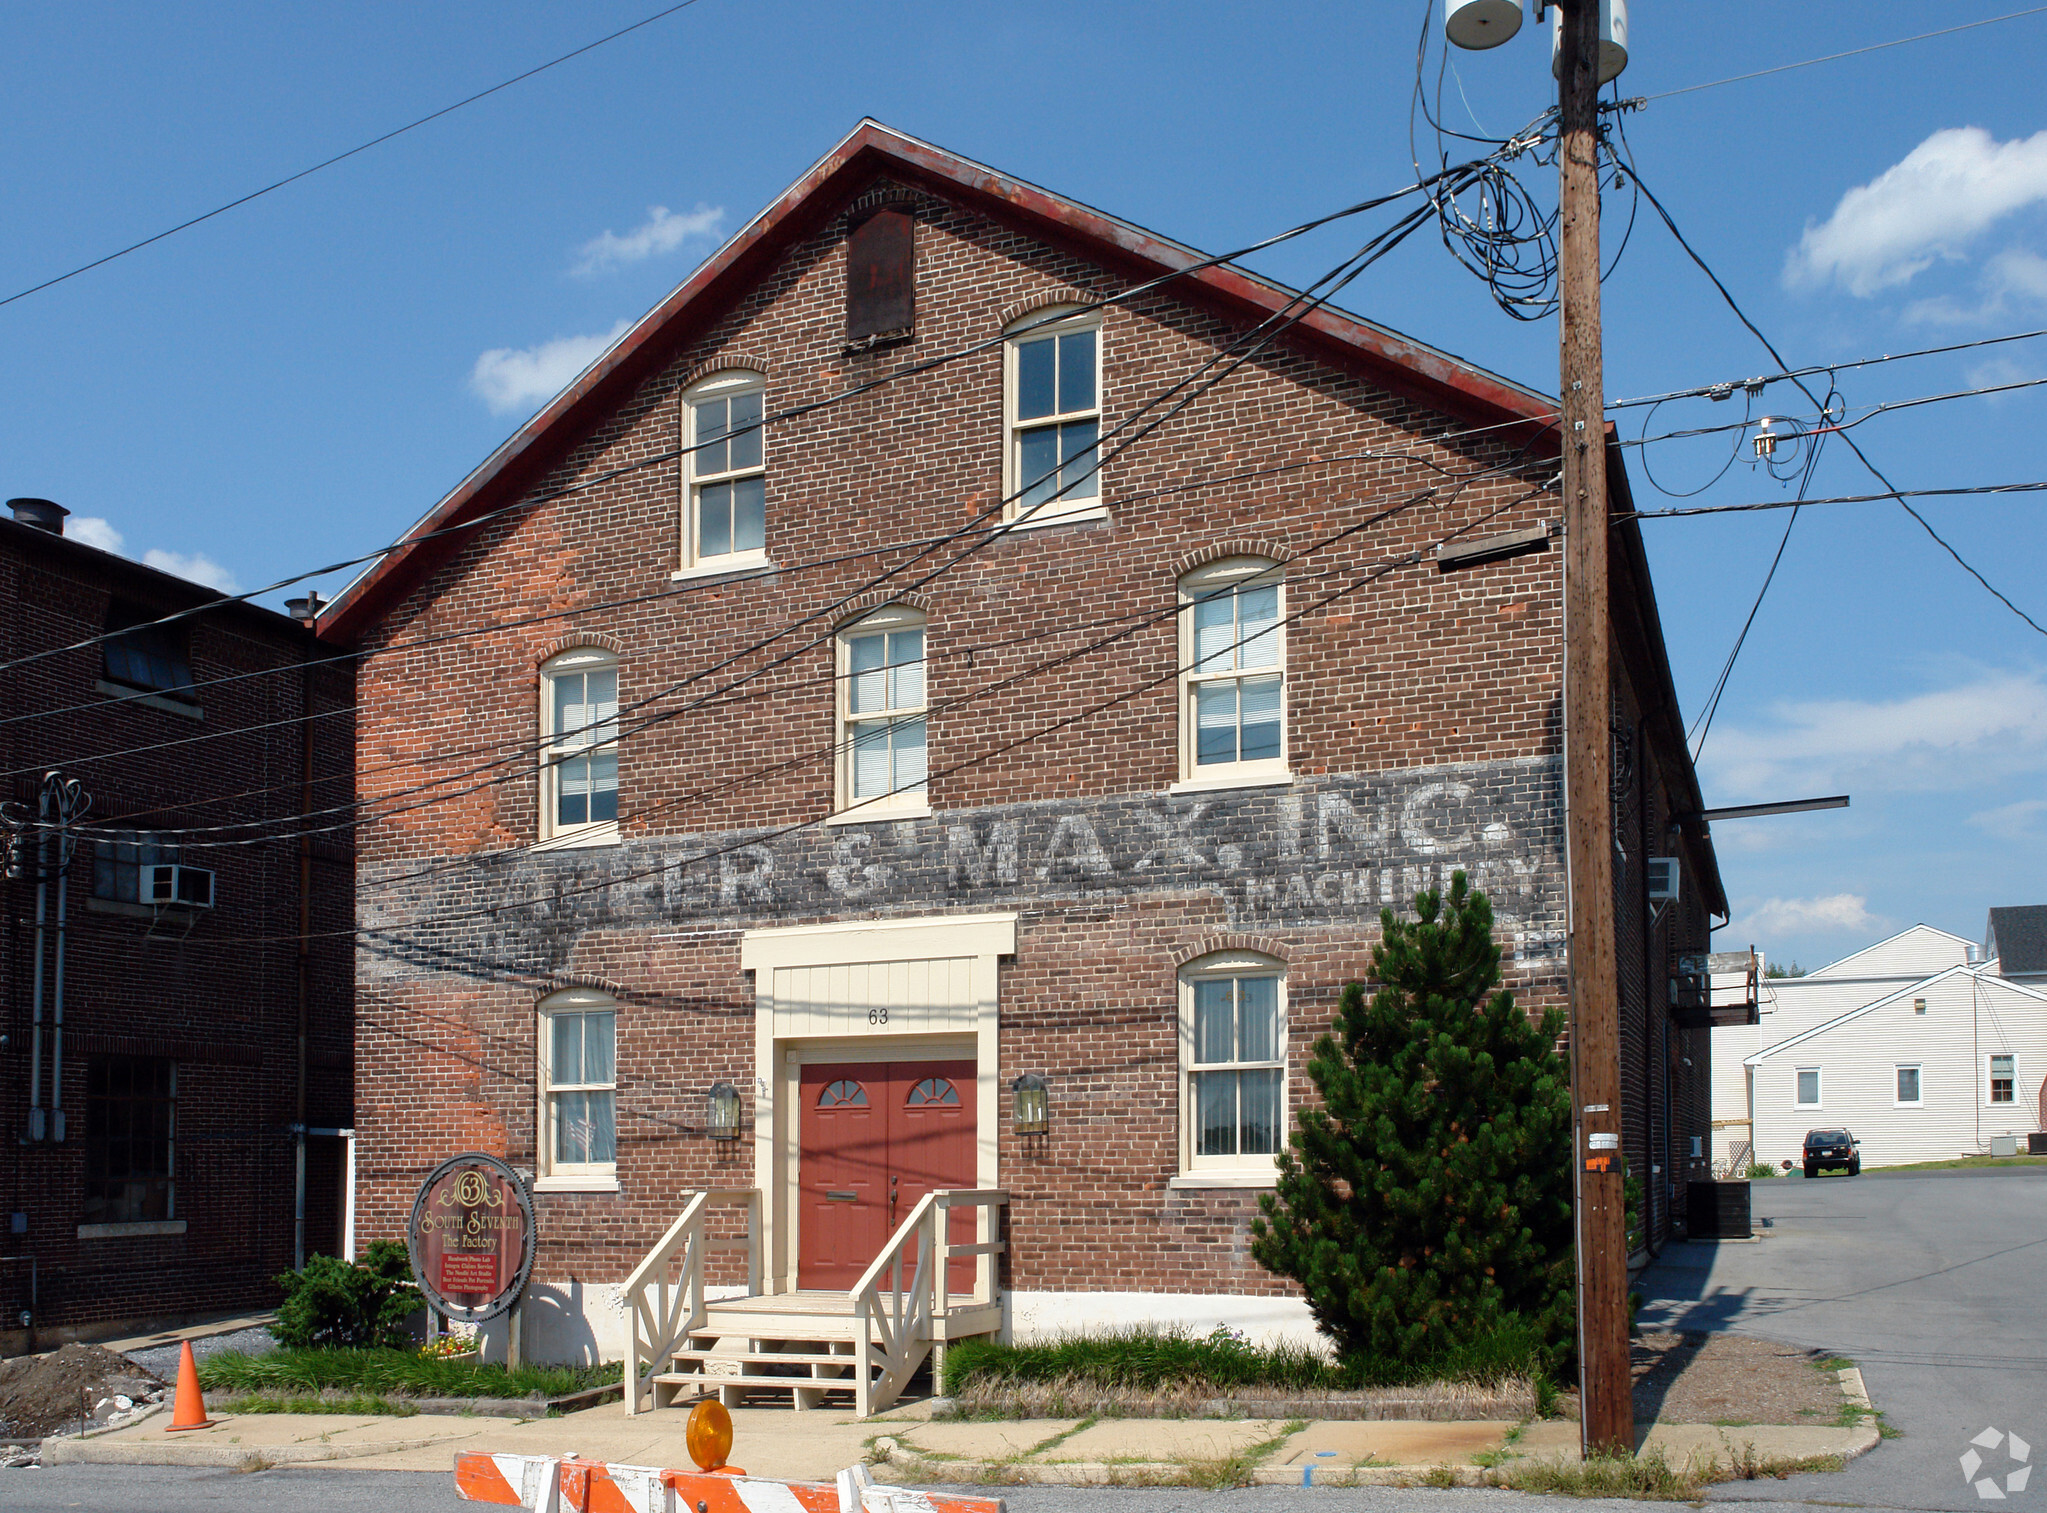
x=1613, y=40
x=1479, y=24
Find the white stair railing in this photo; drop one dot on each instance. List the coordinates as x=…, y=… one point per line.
x=664, y=1304
x=895, y=1324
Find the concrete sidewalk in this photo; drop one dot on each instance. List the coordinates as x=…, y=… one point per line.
x=816, y=1446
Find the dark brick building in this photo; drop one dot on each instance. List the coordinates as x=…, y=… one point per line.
x=151, y=1159
x=873, y=761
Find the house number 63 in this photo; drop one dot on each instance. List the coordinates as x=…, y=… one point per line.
x=877, y=1016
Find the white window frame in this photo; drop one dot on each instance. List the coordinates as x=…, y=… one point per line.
x=1052, y=321
x=1239, y=1170
x=559, y=746
x=698, y=473
x=562, y=1176
x=1205, y=583
x=1990, y=1060
x=904, y=803
x=1918, y=1071
x=1818, y=1088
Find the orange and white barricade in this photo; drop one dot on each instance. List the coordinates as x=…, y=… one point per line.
x=545, y=1484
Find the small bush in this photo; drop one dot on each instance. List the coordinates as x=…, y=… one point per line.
x=348, y=1303
x=1758, y=1171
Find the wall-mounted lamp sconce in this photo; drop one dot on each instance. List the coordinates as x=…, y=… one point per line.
x=1032, y=1104
x=722, y=1118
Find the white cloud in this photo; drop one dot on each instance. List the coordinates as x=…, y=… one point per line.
x=2012, y=821
x=661, y=232
x=1929, y=205
x=1998, y=370
x=197, y=566
x=1951, y=738
x=1829, y=914
x=2015, y=277
x=94, y=531
x=519, y=378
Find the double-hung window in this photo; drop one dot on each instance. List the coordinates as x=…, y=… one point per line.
x=727, y=523
x=881, y=713
x=2003, y=1079
x=1053, y=407
x=579, y=761
x=579, y=1087
x=1233, y=1064
x=1233, y=673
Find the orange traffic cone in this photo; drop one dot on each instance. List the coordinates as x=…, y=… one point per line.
x=189, y=1412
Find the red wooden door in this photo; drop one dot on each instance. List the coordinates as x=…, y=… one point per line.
x=875, y=1137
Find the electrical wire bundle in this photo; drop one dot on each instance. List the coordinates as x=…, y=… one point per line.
x=1497, y=227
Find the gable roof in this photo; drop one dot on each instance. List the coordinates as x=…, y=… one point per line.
x=1981, y=974
x=1394, y=362
x=2017, y=938
x=1912, y=952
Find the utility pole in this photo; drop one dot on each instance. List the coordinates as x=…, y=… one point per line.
x=1606, y=1409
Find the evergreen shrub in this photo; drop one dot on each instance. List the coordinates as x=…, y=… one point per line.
x=1424, y=1205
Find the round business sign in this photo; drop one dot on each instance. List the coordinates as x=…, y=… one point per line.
x=472, y=1237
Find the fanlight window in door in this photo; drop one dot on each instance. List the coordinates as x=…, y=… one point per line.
x=839, y=1094
x=933, y=1090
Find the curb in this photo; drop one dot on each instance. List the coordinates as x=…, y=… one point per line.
x=73, y=1452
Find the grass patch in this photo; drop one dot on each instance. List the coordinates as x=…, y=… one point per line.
x=1652, y=1477
x=318, y=1402
x=1959, y=1164
x=1223, y=1361
x=389, y=1373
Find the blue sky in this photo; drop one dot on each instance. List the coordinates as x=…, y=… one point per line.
x=298, y=380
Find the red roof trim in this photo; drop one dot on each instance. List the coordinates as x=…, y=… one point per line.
x=1406, y=367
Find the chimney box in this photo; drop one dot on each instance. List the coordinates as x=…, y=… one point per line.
x=42, y=514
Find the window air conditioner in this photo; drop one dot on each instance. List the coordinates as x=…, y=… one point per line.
x=167, y=883
x=1663, y=875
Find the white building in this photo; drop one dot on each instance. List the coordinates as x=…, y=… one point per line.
x=1919, y=1046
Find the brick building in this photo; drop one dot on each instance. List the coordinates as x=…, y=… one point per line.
x=152, y=1162
x=876, y=768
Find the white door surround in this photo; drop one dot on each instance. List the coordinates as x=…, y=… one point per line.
x=891, y=989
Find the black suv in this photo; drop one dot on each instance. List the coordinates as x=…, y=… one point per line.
x=1832, y=1147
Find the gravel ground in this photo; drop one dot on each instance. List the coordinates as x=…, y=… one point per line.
x=1695, y=1378
x=163, y=1359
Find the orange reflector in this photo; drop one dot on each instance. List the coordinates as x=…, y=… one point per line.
x=709, y=1434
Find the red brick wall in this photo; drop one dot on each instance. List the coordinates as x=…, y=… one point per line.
x=221, y=1000
x=1416, y=671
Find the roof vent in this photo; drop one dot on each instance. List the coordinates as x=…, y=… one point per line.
x=42, y=514
x=307, y=609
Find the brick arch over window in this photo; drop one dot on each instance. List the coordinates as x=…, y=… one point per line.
x=725, y=362
x=878, y=598
x=1044, y=299
x=1209, y=945
x=889, y=196
x=1272, y=551
x=583, y=640
x=564, y=982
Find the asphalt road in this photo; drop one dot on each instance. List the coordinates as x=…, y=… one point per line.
x=1935, y=1285
x=160, y=1489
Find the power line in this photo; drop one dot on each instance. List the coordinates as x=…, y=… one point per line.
x=791, y=413
x=342, y=157
x=1853, y=52
x=1883, y=498
x=1754, y=385
x=1861, y=456
x=1337, y=278
x=756, y=838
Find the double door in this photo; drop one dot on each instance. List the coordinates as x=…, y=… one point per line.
x=875, y=1137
